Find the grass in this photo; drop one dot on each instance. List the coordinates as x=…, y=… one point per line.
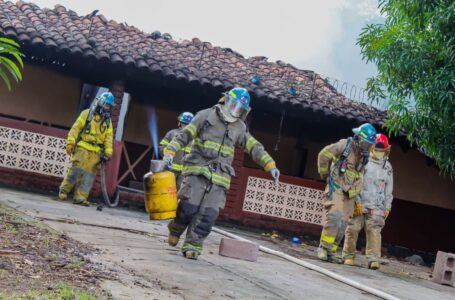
x=45, y=241
x=10, y=228
x=75, y=263
x=63, y=291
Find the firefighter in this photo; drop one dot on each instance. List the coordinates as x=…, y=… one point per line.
x=207, y=169
x=374, y=205
x=89, y=141
x=177, y=166
x=342, y=164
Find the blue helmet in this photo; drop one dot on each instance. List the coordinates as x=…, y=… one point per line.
x=106, y=98
x=185, y=118
x=367, y=132
x=237, y=101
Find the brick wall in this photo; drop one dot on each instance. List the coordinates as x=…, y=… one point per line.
x=117, y=88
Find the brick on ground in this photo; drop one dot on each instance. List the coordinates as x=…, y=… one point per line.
x=444, y=268
x=239, y=249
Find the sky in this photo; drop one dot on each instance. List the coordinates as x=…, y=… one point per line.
x=317, y=35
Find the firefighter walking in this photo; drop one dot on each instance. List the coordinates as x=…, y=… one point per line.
x=374, y=206
x=184, y=119
x=342, y=165
x=207, y=169
x=89, y=141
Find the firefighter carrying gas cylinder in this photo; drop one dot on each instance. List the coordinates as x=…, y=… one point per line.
x=374, y=206
x=184, y=119
x=207, y=169
x=342, y=164
x=89, y=142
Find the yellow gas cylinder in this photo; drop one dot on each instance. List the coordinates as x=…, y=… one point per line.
x=160, y=195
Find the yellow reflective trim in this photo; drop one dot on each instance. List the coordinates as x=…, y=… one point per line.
x=177, y=167
x=328, y=154
x=323, y=169
x=328, y=239
x=221, y=177
x=164, y=142
x=232, y=94
x=196, y=169
x=191, y=128
x=215, y=146
x=187, y=149
x=352, y=174
x=89, y=147
x=216, y=178
x=334, y=248
x=265, y=158
x=363, y=134
x=175, y=145
x=250, y=143
x=353, y=193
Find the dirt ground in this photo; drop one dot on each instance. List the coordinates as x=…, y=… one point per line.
x=36, y=261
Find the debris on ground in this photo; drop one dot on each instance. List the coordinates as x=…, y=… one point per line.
x=308, y=245
x=37, y=262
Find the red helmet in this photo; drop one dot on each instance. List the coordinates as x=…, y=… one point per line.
x=382, y=142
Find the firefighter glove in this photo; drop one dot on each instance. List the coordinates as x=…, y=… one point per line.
x=69, y=148
x=168, y=159
x=276, y=175
x=358, y=210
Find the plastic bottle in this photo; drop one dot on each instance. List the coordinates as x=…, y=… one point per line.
x=295, y=242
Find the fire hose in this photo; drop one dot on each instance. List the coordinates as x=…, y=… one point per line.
x=110, y=203
x=313, y=267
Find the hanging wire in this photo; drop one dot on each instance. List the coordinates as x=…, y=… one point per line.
x=283, y=112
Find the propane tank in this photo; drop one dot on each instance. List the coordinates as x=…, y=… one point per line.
x=160, y=192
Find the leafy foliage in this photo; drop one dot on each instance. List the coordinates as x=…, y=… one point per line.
x=10, y=58
x=414, y=51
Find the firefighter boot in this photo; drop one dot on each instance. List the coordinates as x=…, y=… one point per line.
x=190, y=254
x=374, y=265
x=83, y=202
x=172, y=240
x=62, y=196
x=322, y=254
x=335, y=259
x=349, y=262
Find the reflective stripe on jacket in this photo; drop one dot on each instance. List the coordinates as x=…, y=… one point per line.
x=177, y=165
x=351, y=180
x=99, y=136
x=378, y=185
x=214, y=144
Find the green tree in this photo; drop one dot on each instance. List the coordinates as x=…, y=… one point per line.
x=10, y=58
x=414, y=50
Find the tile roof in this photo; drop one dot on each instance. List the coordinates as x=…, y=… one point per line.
x=65, y=32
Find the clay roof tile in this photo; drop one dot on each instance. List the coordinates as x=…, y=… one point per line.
x=64, y=30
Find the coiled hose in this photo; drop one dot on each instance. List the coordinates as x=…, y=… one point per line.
x=110, y=203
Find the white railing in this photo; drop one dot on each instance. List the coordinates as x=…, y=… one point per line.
x=287, y=201
x=33, y=152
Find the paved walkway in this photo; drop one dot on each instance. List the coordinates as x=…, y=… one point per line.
x=149, y=269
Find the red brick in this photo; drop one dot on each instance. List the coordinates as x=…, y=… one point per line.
x=239, y=249
x=444, y=268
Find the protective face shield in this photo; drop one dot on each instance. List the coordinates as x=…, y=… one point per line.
x=382, y=147
x=237, y=102
x=378, y=154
